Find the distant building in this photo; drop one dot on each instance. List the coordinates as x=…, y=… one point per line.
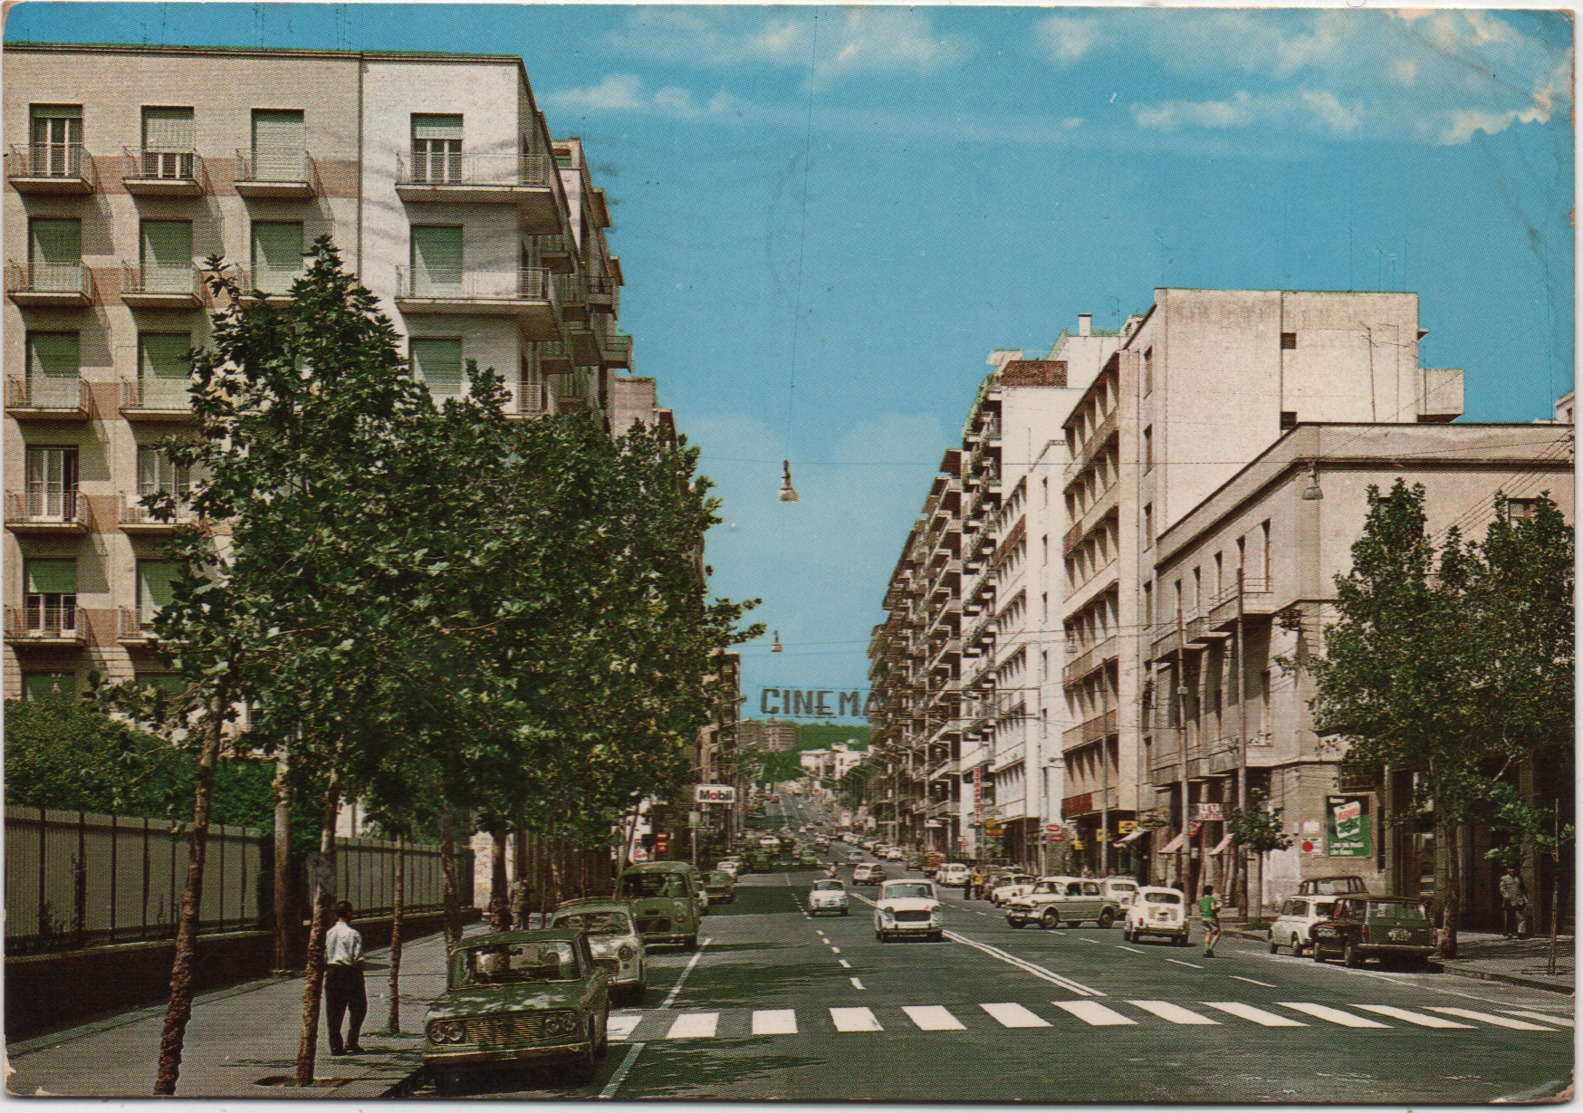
x=830, y=765
x=772, y=736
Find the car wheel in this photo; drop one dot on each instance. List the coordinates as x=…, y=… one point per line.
x=843, y=911
x=1106, y=918
x=448, y=1080
x=1050, y=919
x=1350, y=956
x=604, y=1035
x=1181, y=940
x=1013, y=923
x=1275, y=945
x=1319, y=951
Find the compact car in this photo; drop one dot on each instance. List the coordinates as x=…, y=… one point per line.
x=1054, y=901
x=613, y=939
x=663, y=903
x=953, y=873
x=1294, y=927
x=1010, y=885
x=1156, y=910
x=907, y=907
x=1119, y=889
x=721, y=887
x=868, y=873
x=827, y=896
x=1395, y=930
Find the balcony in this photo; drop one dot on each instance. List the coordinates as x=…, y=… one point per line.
x=571, y=297
x=527, y=181
x=52, y=624
x=618, y=352
x=1257, y=599
x=274, y=282
x=135, y=628
x=62, y=285
x=1091, y=730
x=555, y=357
x=1091, y=447
x=59, y=169
x=602, y=293
x=155, y=400
x=147, y=172
x=138, y=519
x=557, y=254
x=524, y=293
x=277, y=176
x=1097, y=511
x=46, y=398
x=1088, y=803
x=1090, y=659
x=155, y=287
x=46, y=512
x=937, y=809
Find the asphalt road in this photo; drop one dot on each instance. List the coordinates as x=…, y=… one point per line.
x=779, y=1005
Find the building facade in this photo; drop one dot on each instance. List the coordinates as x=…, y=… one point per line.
x=437, y=178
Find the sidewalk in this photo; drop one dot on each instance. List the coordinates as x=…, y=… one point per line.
x=241, y=1042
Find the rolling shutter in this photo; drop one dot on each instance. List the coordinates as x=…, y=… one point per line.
x=438, y=362
x=279, y=140
x=169, y=129
x=55, y=241
x=154, y=586
x=52, y=577
x=436, y=260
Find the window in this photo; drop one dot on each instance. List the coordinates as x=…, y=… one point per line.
x=163, y=369
x=277, y=255
x=1045, y=542
x=1198, y=591
x=1148, y=448
x=49, y=602
x=55, y=255
x=41, y=685
x=1220, y=575
x=1148, y=525
x=53, y=366
x=1264, y=551
x=1520, y=508
x=436, y=148
x=154, y=588
x=436, y=260
x=165, y=252
x=1148, y=604
x=56, y=134
x=279, y=142
x=51, y=483
x=1289, y=341
x=1148, y=371
x=169, y=136
x=1288, y=419
x=438, y=362
x=157, y=472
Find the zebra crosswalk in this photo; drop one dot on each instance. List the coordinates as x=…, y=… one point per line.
x=665, y=1024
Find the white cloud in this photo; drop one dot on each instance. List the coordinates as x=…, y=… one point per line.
x=1317, y=110
x=1066, y=39
x=617, y=91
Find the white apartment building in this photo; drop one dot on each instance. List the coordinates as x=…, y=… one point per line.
x=437, y=177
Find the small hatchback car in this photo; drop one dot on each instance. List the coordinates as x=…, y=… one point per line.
x=1294, y=927
x=827, y=896
x=868, y=873
x=1395, y=930
x=1156, y=910
x=614, y=940
x=1054, y=901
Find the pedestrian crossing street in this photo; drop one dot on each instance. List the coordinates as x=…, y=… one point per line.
x=665, y=1024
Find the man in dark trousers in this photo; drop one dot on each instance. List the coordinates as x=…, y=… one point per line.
x=343, y=980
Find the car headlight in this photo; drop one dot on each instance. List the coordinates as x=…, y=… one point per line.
x=562, y=1023
x=626, y=953
x=447, y=1031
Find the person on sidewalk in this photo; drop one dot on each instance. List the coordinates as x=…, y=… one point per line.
x=344, y=991
x=1209, y=911
x=1514, y=902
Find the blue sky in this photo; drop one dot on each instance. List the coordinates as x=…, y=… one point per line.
x=828, y=217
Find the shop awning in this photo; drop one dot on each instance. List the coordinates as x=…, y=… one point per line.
x=1136, y=833
x=1174, y=843
x=1222, y=844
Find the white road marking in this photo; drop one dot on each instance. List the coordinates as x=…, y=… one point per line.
x=1491, y=1018
x=688, y=969
x=1016, y=1016
x=1335, y=1016
x=1179, y=962
x=932, y=1018
x=1258, y=1016
x=1251, y=981
x=1422, y=1019
x=621, y=1025
x=693, y=1026
x=844, y=963
x=621, y=1072
x=1092, y=1012
x=837, y=950
x=855, y=983
x=775, y=1022
x=855, y=1020
x=1174, y=1013
x=1134, y=950
x=1086, y=939
x=1546, y=1017
x=1027, y=967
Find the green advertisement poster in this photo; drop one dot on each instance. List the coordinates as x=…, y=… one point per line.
x=1347, y=827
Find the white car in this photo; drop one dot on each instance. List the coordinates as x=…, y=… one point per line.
x=1014, y=885
x=907, y=906
x=953, y=873
x=1294, y=927
x=1054, y=901
x=895, y=854
x=1119, y=889
x=729, y=865
x=1156, y=910
x=827, y=896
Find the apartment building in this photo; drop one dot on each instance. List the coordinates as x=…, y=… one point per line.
x=437, y=176
x=773, y=735
x=1198, y=388
x=1255, y=566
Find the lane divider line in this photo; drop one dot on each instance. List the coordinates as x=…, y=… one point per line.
x=1252, y=981
x=621, y=1072
x=1027, y=967
x=1179, y=962
x=845, y=963
x=1134, y=950
x=856, y=984
x=1566, y=1021
x=688, y=969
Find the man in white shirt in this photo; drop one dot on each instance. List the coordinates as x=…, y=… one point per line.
x=343, y=980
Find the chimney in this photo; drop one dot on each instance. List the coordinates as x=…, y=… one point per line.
x=1085, y=324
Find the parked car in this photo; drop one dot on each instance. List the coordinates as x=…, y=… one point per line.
x=895, y=854
x=733, y=866
x=1156, y=910
x=1395, y=930
x=952, y=873
x=613, y=939
x=1054, y=901
x=913, y=862
x=1332, y=886
x=809, y=858
x=1294, y=927
x=1010, y=885
x=868, y=873
x=761, y=861
x=663, y=902
x=932, y=861
x=519, y=996
x=827, y=896
x=907, y=906
x=721, y=887
x=1119, y=889
x=854, y=856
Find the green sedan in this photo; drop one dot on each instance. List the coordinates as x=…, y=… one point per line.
x=519, y=996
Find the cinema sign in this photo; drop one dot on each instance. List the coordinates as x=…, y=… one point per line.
x=820, y=703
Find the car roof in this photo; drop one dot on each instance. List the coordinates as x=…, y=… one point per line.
x=593, y=904
x=1150, y=890
x=662, y=867
x=534, y=935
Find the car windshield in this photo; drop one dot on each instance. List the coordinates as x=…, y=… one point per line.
x=1046, y=887
x=596, y=923
x=920, y=889
x=717, y=877
x=1123, y=886
x=828, y=886
x=550, y=961
x=1163, y=898
x=654, y=885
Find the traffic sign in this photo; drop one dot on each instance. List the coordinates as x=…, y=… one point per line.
x=1053, y=828
x=715, y=794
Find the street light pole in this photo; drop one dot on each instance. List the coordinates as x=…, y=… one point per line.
x=1181, y=739
x=1241, y=857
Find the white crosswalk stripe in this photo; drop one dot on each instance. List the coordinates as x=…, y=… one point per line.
x=1565, y=1021
x=1335, y=1016
x=775, y=1022
x=1491, y=1018
x=694, y=1026
x=1174, y=1013
x=855, y=1020
x=932, y=1018
x=1015, y=1016
x=621, y=1025
x=1423, y=1019
x=1258, y=1016
x=1092, y=1012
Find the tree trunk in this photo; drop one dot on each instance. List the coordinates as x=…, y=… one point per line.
x=281, y=957
x=393, y=1022
x=1453, y=908
x=1555, y=893
x=179, y=1011
x=453, y=897
x=499, y=895
x=323, y=916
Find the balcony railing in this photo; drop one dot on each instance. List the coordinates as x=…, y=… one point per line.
x=49, y=283
x=54, y=393
x=136, y=625
x=288, y=175
x=64, y=511
x=526, y=284
x=135, y=517
x=163, y=172
x=618, y=351
x=274, y=281
x=155, y=395
x=441, y=168
x=47, y=622
x=1091, y=659
x=1257, y=599
x=51, y=168
x=161, y=287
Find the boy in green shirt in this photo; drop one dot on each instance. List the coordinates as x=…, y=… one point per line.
x=1209, y=911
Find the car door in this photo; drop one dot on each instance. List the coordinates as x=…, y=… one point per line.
x=1093, y=900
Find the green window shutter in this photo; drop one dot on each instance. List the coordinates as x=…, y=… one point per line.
x=40, y=685
x=277, y=255
x=436, y=126
x=169, y=129
x=279, y=140
x=165, y=355
x=438, y=363
x=55, y=241
x=53, y=355
x=154, y=586
x=51, y=577
x=167, y=243
x=436, y=260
